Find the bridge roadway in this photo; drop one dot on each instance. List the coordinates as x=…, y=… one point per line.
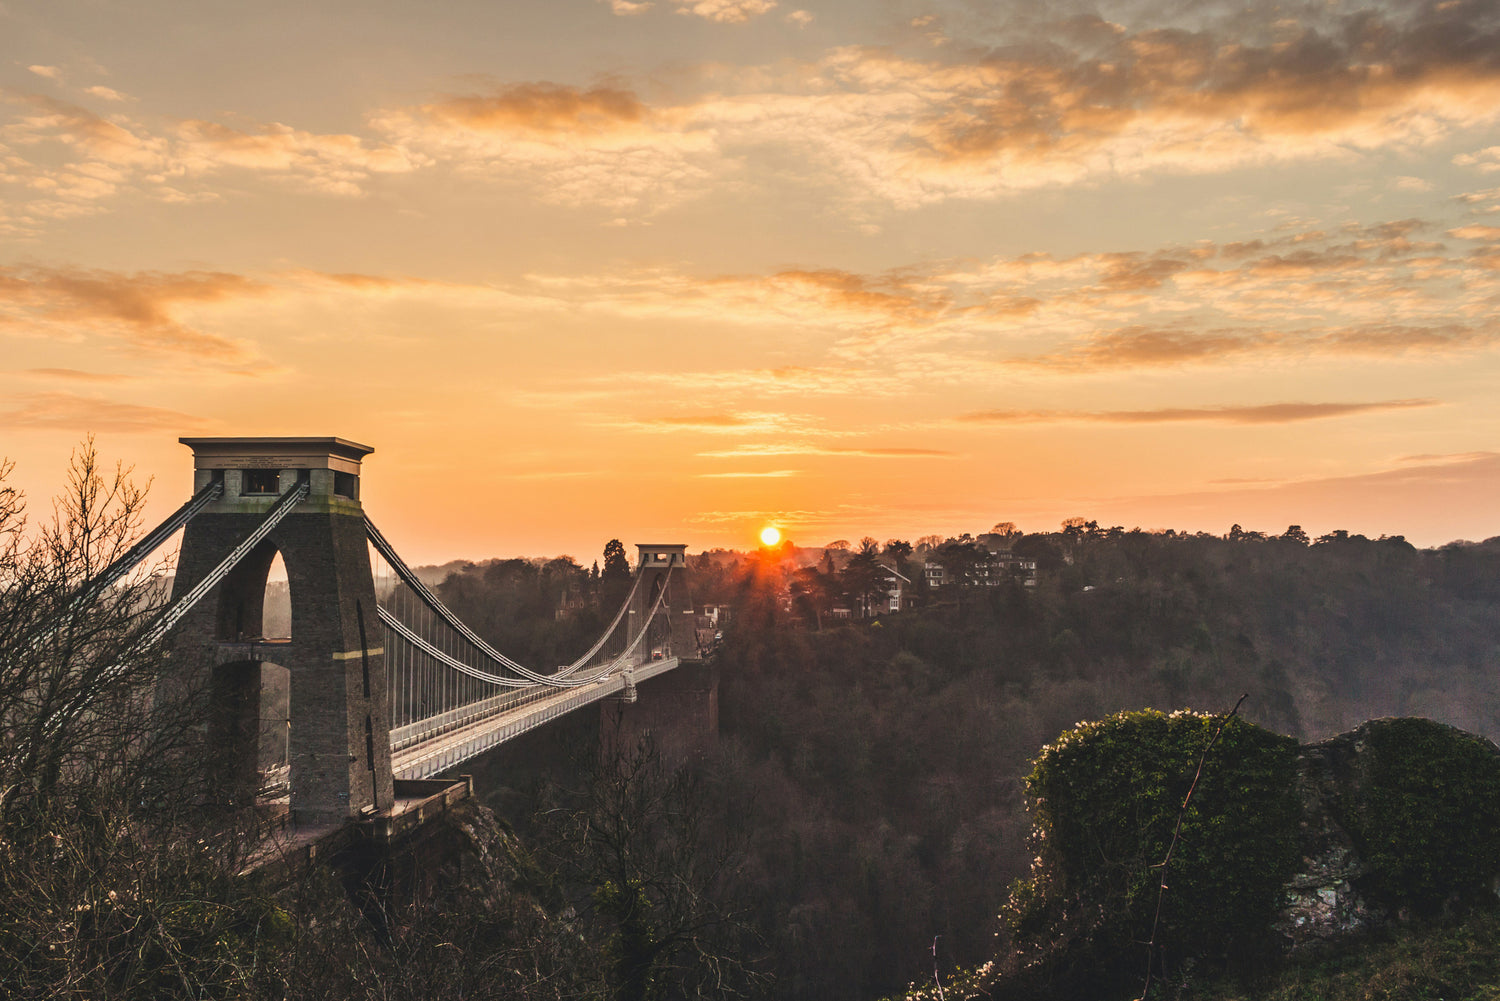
x=424, y=758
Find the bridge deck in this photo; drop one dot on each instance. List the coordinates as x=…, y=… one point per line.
x=444, y=751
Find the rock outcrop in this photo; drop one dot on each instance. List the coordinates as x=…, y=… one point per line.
x=1340, y=783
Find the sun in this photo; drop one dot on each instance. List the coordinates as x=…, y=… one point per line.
x=770, y=535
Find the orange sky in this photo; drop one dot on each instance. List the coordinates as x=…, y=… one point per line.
x=671, y=270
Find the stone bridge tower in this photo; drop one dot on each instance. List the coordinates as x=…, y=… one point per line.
x=336, y=727
x=677, y=711
x=674, y=633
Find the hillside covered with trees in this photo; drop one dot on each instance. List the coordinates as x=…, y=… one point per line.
x=875, y=766
x=866, y=803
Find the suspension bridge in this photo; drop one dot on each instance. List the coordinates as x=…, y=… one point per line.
x=379, y=681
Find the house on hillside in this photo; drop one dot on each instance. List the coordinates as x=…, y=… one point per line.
x=897, y=591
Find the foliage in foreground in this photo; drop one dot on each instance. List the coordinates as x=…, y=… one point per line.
x=1419, y=800
x=1104, y=801
x=1426, y=817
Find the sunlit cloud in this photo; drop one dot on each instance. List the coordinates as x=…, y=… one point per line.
x=85, y=414
x=140, y=309
x=1070, y=105
x=1486, y=233
x=109, y=155
x=627, y=8
x=74, y=375
x=1266, y=413
x=1064, y=104
x=792, y=448
x=725, y=11
x=1486, y=161
x=333, y=164
x=723, y=423
x=772, y=474
x=1448, y=457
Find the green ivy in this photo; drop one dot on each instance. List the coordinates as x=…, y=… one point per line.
x=1104, y=799
x=1425, y=815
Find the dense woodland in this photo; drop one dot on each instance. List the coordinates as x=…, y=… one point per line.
x=875, y=766
x=866, y=797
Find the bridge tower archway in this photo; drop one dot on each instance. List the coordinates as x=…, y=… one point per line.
x=338, y=747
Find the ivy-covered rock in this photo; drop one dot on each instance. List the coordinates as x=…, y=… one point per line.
x=1279, y=843
x=1104, y=800
x=1421, y=803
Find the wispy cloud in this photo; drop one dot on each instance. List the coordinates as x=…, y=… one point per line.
x=74, y=375
x=725, y=11
x=771, y=474
x=803, y=448
x=1266, y=413
x=628, y=8
x=71, y=412
x=722, y=423
x=140, y=309
x=110, y=154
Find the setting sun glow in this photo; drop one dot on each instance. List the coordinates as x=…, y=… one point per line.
x=821, y=277
x=770, y=535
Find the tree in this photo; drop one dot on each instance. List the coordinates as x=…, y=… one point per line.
x=810, y=594
x=616, y=566
x=864, y=578
x=642, y=858
x=114, y=881
x=898, y=549
x=1006, y=528
x=615, y=577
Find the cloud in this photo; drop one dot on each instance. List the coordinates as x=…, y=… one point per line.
x=544, y=108
x=794, y=448
x=74, y=375
x=138, y=308
x=625, y=8
x=773, y=474
x=1140, y=346
x=331, y=163
x=1407, y=183
x=722, y=423
x=801, y=18
x=725, y=11
x=1269, y=413
x=71, y=412
x=50, y=72
x=1050, y=104
x=108, y=155
x=105, y=93
x=598, y=146
x=1448, y=457
x=1486, y=161
x=1487, y=233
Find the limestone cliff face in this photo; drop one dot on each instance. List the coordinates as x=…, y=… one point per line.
x=1347, y=785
